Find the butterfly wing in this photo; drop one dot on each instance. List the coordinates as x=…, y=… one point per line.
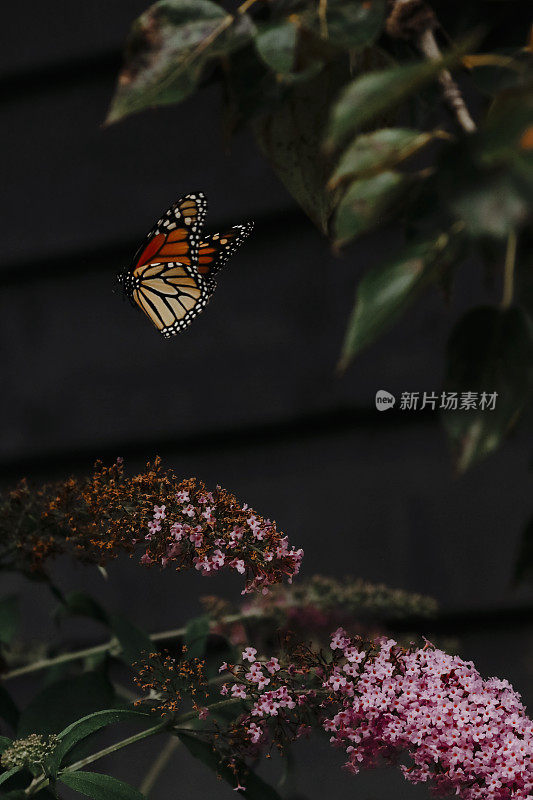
x=163, y=280
x=176, y=236
x=170, y=294
x=215, y=250
x=171, y=278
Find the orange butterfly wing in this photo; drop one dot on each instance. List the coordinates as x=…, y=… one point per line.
x=164, y=281
x=215, y=250
x=176, y=235
x=171, y=278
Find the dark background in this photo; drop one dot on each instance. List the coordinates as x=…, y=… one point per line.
x=248, y=397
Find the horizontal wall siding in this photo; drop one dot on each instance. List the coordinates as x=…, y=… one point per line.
x=249, y=396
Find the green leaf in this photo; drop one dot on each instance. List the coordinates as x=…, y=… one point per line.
x=256, y=787
x=99, y=787
x=9, y=614
x=5, y=776
x=366, y=203
x=372, y=152
x=5, y=742
x=352, y=24
x=64, y=702
x=81, y=604
x=487, y=181
x=509, y=117
x=387, y=290
x=8, y=710
x=276, y=45
x=88, y=725
x=493, y=205
x=168, y=50
x=371, y=95
x=195, y=638
x=501, y=70
x=490, y=350
x=133, y=641
x=290, y=137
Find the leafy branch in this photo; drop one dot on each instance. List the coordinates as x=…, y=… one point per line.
x=346, y=100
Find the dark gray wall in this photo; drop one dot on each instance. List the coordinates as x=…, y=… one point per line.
x=248, y=397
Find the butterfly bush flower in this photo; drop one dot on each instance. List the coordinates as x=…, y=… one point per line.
x=33, y=751
x=166, y=682
x=171, y=522
x=379, y=702
x=211, y=531
x=312, y=607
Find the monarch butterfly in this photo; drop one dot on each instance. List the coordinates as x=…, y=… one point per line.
x=171, y=277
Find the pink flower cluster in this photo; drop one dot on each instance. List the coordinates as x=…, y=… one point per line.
x=211, y=530
x=466, y=735
x=463, y=734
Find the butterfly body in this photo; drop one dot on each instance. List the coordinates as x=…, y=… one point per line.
x=171, y=278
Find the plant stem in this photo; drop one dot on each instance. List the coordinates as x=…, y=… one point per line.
x=39, y=783
x=44, y=663
x=111, y=645
x=427, y=44
x=508, y=273
x=158, y=766
x=137, y=737
x=322, y=16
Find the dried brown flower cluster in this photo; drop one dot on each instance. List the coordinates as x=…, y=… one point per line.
x=173, y=522
x=313, y=606
x=165, y=681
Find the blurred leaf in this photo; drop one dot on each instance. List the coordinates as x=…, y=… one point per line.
x=8, y=710
x=81, y=604
x=372, y=152
x=372, y=94
x=251, y=89
x=64, y=702
x=509, y=118
x=276, y=44
x=493, y=205
x=351, y=24
x=88, y=725
x=490, y=350
x=195, y=638
x=290, y=138
x=9, y=615
x=168, y=49
x=524, y=271
x=486, y=180
x=523, y=570
x=366, y=203
x=256, y=787
x=5, y=742
x=386, y=291
x=99, y=787
x=495, y=72
x=133, y=641
x=5, y=776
